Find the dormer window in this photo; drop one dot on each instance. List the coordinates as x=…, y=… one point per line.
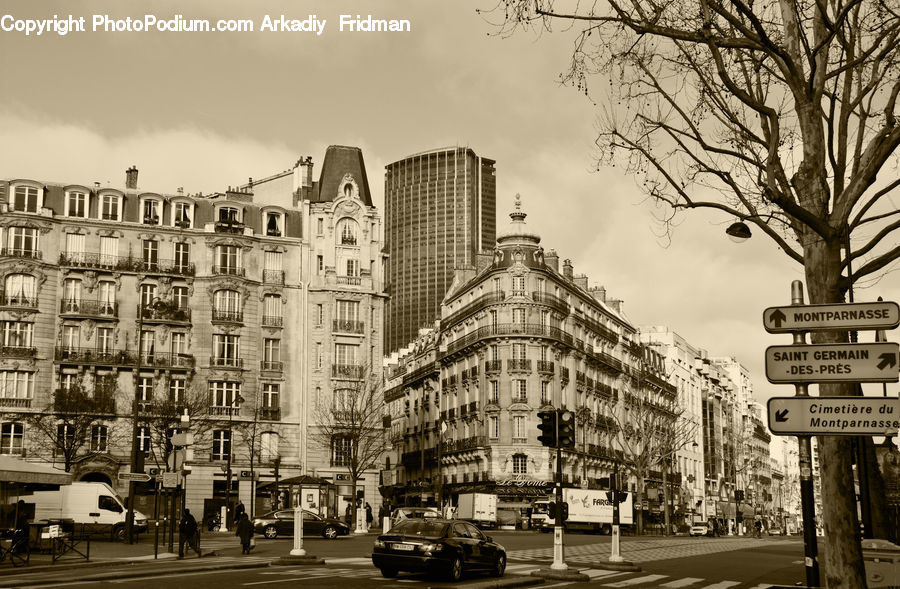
x=182, y=215
x=273, y=224
x=25, y=199
x=76, y=204
x=229, y=215
x=151, y=209
x=110, y=207
x=347, y=230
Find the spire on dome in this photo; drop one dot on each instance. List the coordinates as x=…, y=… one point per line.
x=518, y=216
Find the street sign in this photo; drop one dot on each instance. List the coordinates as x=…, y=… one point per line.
x=170, y=480
x=878, y=315
x=138, y=477
x=834, y=416
x=869, y=362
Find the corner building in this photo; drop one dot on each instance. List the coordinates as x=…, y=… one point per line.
x=440, y=212
x=516, y=336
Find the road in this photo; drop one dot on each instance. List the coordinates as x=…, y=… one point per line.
x=668, y=563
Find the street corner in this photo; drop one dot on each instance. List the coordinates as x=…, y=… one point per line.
x=291, y=560
x=503, y=583
x=560, y=575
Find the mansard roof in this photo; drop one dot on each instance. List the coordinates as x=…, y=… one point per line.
x=339, y=161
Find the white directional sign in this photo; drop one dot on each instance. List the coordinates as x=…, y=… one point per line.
x=138, y=477
x=878, y=315
x=849, y=416
x=869, y=362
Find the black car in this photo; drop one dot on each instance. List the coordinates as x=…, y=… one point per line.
x=437, y=546
x=281, y=523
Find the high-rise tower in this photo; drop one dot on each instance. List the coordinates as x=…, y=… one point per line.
x=440, y=211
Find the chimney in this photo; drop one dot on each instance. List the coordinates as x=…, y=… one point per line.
x=551, y=258
x=568, y=269
x=615, y=304
x=599, y=293
x=131, y=176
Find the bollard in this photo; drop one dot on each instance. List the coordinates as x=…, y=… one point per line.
x=385, y=524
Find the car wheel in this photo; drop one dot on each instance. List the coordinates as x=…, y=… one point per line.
x=388, y=573
x=119, y=534
x=456, y=566
x=215, y=528
x=330, y=532
x=271, y=532
x=499, y=565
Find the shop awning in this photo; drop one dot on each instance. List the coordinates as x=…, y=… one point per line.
x=726, y=509
x=16, y=470
x=300, y=481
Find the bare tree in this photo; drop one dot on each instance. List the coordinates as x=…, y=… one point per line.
x=350, y=427
x=780, y=113
x=68, y=421
x=164, y=415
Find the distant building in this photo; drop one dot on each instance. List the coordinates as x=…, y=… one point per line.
x=234, y=307
x=440, y=211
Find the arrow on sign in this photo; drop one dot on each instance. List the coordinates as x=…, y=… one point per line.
x=887, y=359
x=781, y=415
x=777, y=317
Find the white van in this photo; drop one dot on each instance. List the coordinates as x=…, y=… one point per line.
x=95, y=505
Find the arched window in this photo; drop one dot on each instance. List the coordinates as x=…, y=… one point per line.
x=347, y=231
x=21, y=290
x=226, y=304
x=273, y=223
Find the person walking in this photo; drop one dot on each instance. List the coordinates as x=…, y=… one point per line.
x=245, y=533
x=348, y=515
x=369, y=516
x=187, y=533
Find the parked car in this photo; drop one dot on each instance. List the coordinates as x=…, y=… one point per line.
x=776, y=532
x=281, y=523
x=441, y=546
x=402, y=513
x=700, y=530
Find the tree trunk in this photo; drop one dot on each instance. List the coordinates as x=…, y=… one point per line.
x=665, y=482
x=881, y=527
x=639, y=497
x=843, y=557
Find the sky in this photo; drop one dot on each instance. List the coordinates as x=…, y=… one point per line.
x=204, y=111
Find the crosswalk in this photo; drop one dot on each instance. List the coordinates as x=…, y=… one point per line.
x=361, y=568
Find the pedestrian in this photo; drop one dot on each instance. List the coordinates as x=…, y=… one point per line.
x=369, y=516
x=758, y=526
x=245, y=533
x=188, y=532
x=239, y=510
x=348, y=515
x=382, y=512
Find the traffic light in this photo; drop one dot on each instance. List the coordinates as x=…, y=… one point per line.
x=738, y=495
x=563, y=511
x=566, y=430
x=551, y=510
x=548, y=427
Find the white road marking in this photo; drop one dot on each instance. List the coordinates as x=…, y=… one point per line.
x=597, y=573
x=636, y=581
x=351, y=560
x=681, y=582
x=722, y=585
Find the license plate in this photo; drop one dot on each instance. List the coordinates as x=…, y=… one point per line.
x=404, y=547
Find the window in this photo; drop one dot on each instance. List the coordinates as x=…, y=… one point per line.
x=16, y=334
x=71, y=337
x=348, y=315
x=99, y=438
x=520, y=390
x=221, y=444
x=274, y=261
x=268, y=446
x=347, y=230
x=320, y=357
x=518, y=351
x=320, y=314
x=182, y=215
x=494, y=320
x=148, y=344
x=345, y=354
x=226, y=348
x=20, y=290
x=494, y=392
x=229, y=215
x=272, y=308
x=273, y=224
x=179, y=344
x=497, y=288
x=105, y=340
x=109, y=251
x=65, y=436
x=225, y=394
x=180, y=297
x=150, y=254
x=71, y=295
x=182, y=256
x=16, y=384
x=495, y=353
x=352, y=268
x=341, y=450
x=12, y=438
x=545, y=392
x=494, y=427
x=176, y=389
x=148, y=294
x=151, y=210
x=518, y=285
x=107, y=297
x=540, y=285
x=227, y=305
x=143, y=438
x=518, y=423
x=320, y=226
x=272, y=354
x=518, y=316
x=109, y=207
x=228, y=259
x=76, y=204
x=320, y=264
x=271, y=393
x=23, y=241
x=520, y=464
x=145, y=389
x=26, y=199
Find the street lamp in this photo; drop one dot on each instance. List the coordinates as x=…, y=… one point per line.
x=236, y=401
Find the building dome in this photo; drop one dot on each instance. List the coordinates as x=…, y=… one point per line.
x=517, y=233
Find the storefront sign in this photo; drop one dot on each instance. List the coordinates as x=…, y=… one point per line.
x=522, y=483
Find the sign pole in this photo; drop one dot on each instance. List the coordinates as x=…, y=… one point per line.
x=559, y=561
x=616, y=555
x=807, y=498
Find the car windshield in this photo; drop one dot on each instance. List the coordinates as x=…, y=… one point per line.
x=420, y=527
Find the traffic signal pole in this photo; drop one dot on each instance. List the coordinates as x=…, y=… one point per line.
x=615, y=555
x=559, y=561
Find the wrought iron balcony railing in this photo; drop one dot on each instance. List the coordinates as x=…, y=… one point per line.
x=164, y=312
x=88, y=308
x=226, y=362
x=125, y=263
x=228, y=270
x=270, y=413
x=346, y=371
x=273, y=276
x=17, y=352
x=348, y=326
x=272, y=321
x=18, y=252
x=78, y=355
x=271, y=365
x=230, y=316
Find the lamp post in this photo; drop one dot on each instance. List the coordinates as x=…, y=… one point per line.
x=236, y=400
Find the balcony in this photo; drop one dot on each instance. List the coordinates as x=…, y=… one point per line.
x=228, y=316
x=22, y=352
x=351, y=371
x=272, y=321
x=349, y=280
x=271, y=365
x=125, y=264
x=228, y=271
x=76, y=355
x=226, y=362
x=519, y=364
x=166, y=360
x=178, y=268
x=348, y=326
x=19, y=301
x=551, y=300
x=17, y=402
x=85, y=308
x=493, y=366
x=273, y=276
x=270, y=413
x=220, y=411
x=472, y=308
x=229, y=226
x=76, y=401
x=163, y=312
x=545, y=366
x=18, y=252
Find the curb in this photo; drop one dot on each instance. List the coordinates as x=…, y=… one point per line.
x=566, y=575
x=67, y=565
x=496, y=583
x=129, y=574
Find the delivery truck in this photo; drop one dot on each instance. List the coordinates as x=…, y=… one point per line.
x=91, y=506
x=589, y=510
x=478, y=508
